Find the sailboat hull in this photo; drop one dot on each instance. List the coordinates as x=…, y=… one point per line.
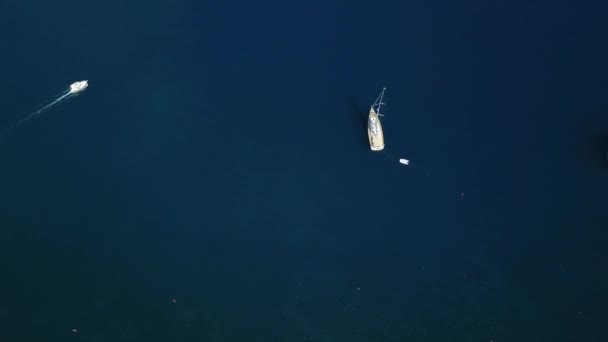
x=374, y=131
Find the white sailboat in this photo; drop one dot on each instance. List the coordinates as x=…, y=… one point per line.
x=374, y=128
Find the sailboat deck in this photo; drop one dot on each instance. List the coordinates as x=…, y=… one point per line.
x=374, y=131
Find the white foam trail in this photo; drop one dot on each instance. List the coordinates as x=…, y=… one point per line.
x=35, y=114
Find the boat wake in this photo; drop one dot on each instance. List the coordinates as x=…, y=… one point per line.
x=74, y=89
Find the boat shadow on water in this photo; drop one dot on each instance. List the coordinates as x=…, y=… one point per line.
x=359, y=117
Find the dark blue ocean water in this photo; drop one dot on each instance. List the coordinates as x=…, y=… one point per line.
x=214, y=182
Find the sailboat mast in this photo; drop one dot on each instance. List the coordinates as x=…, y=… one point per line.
x=379, y=102
x=374, y=128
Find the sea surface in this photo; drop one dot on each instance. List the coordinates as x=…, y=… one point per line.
x=215, y=182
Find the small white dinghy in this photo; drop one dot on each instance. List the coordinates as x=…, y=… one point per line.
x=404, y=161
